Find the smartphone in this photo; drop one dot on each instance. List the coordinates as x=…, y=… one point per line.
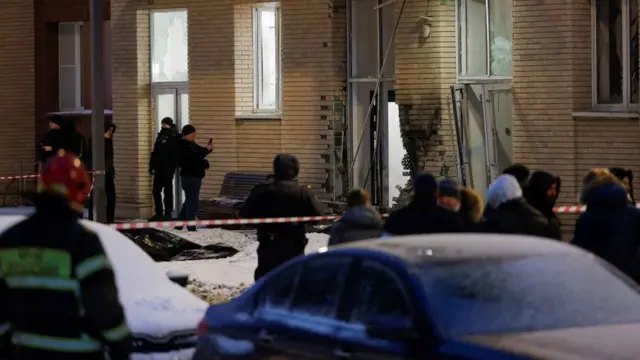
x=210, y=140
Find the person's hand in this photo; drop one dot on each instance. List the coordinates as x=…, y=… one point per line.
x=209, y=146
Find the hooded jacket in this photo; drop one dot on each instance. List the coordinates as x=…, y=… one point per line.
x=471, y=207
x=422, y=215
x=284, y=197
x=610, y=226
x=510, y=212
x=536, y=196
x=357, y=223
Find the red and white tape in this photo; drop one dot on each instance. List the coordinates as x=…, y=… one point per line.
x=296, y=219
x=33, y=176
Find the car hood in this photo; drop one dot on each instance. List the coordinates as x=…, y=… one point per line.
x=618, y=342
x=163, y=314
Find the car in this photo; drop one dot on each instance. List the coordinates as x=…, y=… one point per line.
x=449, y=296
x=162, y=315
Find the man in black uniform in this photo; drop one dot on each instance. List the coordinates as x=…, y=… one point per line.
x=284, y=197
x=162, y=166
x=109, y=172
x=58, y=297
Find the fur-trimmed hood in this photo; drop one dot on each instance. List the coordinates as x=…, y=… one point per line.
x=604, y=191
x=504, y=188
x=471, y=204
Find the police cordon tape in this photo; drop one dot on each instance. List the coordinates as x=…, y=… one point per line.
x=34, y=176
x=283, y=220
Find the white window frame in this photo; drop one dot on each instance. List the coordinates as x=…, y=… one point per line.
x=461, y=46
x=257, y=73
x=78, y=67
x=626, y=66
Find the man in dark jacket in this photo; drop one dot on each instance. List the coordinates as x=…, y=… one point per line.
x=610, y=226
x=359, y=222
x=59, y=297
x=284, y=197
x=511, y=214
x=193, y=165
x=162, y=166
x=109, y=172
x=541, y=193
x=51, y=141
x=62, y=135
x=423, y=215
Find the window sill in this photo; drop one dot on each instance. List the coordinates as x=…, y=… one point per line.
x=605, y=115
x=265, y=116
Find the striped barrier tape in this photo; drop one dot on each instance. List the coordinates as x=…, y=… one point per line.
x=34, y=176
x=296, y=219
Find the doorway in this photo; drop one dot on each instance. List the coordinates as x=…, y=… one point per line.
x=173, y=103
x=483, y=120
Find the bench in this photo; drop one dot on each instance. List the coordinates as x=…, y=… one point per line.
x=236, y=186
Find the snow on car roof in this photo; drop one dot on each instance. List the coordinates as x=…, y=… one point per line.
x=154, y=305
x=442, y=247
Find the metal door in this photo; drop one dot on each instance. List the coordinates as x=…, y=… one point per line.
x=497, y=103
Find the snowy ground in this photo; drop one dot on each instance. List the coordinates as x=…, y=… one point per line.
x=220, y=279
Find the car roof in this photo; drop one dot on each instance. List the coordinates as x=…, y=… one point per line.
x=416, y=249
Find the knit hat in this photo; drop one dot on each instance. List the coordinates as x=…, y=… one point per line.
x=167, y=121
x=187, y=130
x=449, y=188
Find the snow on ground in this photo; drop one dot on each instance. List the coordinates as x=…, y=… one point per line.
x=221, y=279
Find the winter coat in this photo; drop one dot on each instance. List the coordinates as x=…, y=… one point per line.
x=471, y=208
x=164, y=158
x=535, y=194
x=610, y=226
x=191, y=158
x=422, y=215
x=510, y=212
x=284, y=197
x=357, y=223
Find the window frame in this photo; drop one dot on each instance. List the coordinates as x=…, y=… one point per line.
x=626, y=66
x=77, y=66
x=256, y=55
x=461, y=47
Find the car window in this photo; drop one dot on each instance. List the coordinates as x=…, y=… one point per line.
x=379, y=294
x=521, y=294
x=320, y=286
x=277, y=292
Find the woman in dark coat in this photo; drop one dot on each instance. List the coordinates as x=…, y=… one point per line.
x=541, y=193
x=610, y=226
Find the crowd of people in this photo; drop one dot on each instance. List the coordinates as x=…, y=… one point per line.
x=172, y=151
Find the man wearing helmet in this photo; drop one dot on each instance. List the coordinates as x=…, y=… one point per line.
x=58, y=297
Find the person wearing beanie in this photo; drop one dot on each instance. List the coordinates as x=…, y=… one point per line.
x=193, y=165
x=449, y=195
x=110, y=172
x=163, y=163
x=423, y=215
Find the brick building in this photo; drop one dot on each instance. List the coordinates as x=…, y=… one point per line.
x=520, y=77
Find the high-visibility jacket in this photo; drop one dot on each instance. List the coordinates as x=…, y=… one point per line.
x=58, y=297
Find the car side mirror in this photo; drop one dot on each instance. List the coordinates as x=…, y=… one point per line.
x=179, y=277
x=390, y=327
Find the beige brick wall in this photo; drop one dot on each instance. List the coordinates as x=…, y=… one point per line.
x=220, y=80
x=17, y=105
x=425, y=68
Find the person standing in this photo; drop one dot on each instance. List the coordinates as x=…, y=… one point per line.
x=542, y=193
x=162, y=166
x=359, y=222
x=193, y=165
x=59, y=295
x=51, y=140
x=109, y=172
x=284, y=197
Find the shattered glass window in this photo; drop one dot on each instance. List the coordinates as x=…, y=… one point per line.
x=533, y=293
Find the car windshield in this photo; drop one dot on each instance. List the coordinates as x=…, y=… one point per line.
x=521, y=294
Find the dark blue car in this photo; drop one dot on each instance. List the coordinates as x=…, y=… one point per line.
x=432, y=297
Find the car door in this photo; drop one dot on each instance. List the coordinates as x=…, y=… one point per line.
x=307, y=327
x=379, y=294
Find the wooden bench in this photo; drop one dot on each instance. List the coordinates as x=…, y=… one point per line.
x=236, y=186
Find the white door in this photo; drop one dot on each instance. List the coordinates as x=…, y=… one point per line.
x=173, y=103
x=458, y=94
x=497, y=107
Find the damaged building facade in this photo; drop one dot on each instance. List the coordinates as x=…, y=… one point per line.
x=549, y=83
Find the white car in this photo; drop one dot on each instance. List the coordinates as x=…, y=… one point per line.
x=162, y=316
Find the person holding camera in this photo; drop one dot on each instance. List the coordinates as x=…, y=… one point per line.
x=193, y=165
